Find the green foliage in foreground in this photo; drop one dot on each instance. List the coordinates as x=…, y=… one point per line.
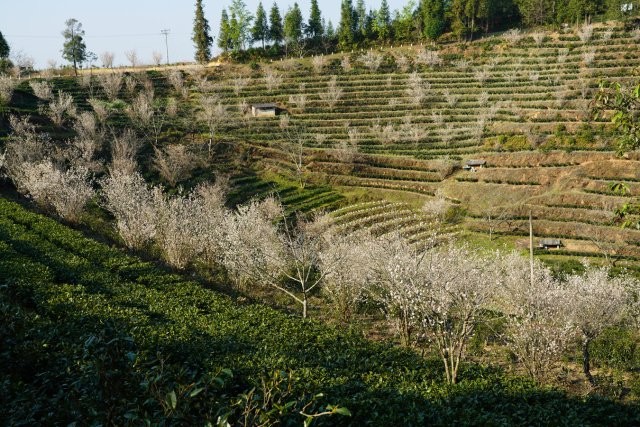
x=90, y=334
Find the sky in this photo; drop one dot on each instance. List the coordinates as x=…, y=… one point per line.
x=33, y=27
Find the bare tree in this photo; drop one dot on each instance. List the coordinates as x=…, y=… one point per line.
x=293, y=146
x=539, y=324
x=157, y=58
x=348, y=272
x=107, y=59
x=332, y=94
x=538, y=38
x=597, y=302
x=132, y=57
x=212, y=113
x=450, y=98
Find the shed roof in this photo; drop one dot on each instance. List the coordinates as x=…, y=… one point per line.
x=550, y=242
x=264, y=105
x=476, y=162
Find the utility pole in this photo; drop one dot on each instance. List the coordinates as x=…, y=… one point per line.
x=531, y=247
x=165, y=32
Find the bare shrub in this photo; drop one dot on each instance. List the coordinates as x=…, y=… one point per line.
x=538, y=38
x=100, y=109
x=111, y=83
x=430, y=58
x=318, y=63
x=562, y=55
x=272, y=80
x=332, y=94
x=107, y=59
x=403, y=63
x=371, y=60
x=345, y=63
x=512, y=36
x=462, y=64
x=7, y=86
x=176, y=80
x=66, y=192
x=417, y=89
x=41, y=89
x=450, y=98
x=437, y=118
x=588, y=57
x=585, y=33
x=239, y=83
x=24, y=146
x=284, y=121
x=130, y=201
x=124, y=152
x=635, y=34
x=534, y=76
x=61, y=108
x=606, y=34
x=174, y=163
x=481, y=75
x=130, y=85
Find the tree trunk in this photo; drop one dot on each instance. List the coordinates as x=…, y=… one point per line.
x=304, y=307
x=586, y=360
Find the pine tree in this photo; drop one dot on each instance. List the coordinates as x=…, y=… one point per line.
x=74, y=50
x=260, y=30
x=433, y=19
x=276, y=32
x=293, y=24
x=314, y=28
x=4, y=47
x=201, y=36
x=361, y=17
x=382, y=22
x=347, y=27
x=224, y=37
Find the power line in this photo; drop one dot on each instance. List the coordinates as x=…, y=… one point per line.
x=34, y=36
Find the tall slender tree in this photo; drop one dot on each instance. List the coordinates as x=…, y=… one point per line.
x=201, y=36
x=276, y=31
x=240, y=24
x=224, y=36
x=74, y=49
x=347, y=27
x=433, y=19
x=4, y=47
x=382, y=22
x=260, y=30
x=293, y=24
x=314, y=29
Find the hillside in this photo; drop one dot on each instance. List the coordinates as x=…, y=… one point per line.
x=521, y=102
x=90, y=333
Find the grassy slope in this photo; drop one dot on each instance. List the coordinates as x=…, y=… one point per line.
x=78, y=317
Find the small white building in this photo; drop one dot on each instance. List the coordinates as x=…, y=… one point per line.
x=473, y=165
x=264, y=110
